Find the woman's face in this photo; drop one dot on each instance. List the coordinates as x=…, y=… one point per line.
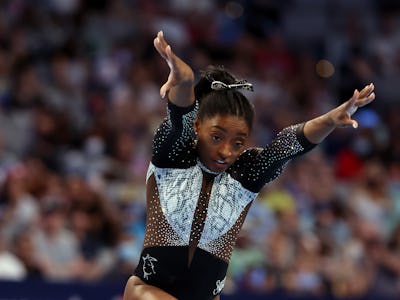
x=220, y=140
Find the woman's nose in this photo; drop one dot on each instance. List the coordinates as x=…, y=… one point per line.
x=225, y=150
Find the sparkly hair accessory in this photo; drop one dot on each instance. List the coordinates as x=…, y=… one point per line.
x=242, y=84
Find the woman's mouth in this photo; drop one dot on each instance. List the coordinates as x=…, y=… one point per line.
x=220, y=165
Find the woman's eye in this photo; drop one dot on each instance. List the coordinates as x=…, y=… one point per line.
x=216, y=138
x=238, y=144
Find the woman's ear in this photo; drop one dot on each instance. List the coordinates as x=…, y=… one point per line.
x=196, y=125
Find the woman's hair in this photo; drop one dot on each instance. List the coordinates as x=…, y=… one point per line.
x=225, y=101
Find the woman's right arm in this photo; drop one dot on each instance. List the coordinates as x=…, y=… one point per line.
x=173, y=141
x=180, y=83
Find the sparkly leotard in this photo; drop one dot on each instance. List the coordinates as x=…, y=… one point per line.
x=195, y=215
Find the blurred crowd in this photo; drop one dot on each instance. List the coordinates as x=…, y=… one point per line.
x=79, y=102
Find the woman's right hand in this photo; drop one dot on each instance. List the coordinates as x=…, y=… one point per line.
x=180, y=83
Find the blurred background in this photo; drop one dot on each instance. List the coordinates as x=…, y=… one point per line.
x=79, y=102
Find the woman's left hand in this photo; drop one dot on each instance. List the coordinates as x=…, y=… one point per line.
x=342, y=115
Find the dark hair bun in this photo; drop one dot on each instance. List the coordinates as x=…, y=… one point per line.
x=211, y=73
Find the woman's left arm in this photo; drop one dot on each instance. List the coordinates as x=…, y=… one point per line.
x=316, y=130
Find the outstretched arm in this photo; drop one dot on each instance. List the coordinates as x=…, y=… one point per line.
x=180, y=83
x=316, y=130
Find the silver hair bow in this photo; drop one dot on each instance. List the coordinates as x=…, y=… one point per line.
x=242, y=84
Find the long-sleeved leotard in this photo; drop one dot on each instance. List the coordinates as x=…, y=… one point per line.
x=194, y=215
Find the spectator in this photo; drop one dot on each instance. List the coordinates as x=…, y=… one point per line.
x=11, y=267
x=24, y=249
x=55, y=246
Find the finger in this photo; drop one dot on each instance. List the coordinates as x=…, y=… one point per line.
x=353, y=98
x=170, y=58
x=367, y=90
x=161, y=44
x=169, y=52
x=162, y=39
x=159, y=48
x=164, y=89
x=356, y=95
x=165, y=52
x=364, y=101
x=350, y=123
x=350, y=106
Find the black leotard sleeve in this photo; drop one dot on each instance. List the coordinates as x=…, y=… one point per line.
x=257, y=166
x=173, y=143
